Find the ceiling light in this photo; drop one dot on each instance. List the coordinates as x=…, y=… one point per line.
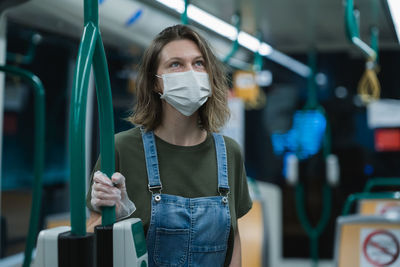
x=341, y=92
x=394, y=7
x=211, y=22
x=178, y=5
x=290, y=63
x=246, y=40
x=265, y=49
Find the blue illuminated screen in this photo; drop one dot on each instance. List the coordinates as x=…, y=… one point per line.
x=305, y=136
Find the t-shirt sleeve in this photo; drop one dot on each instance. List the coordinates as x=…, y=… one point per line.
x=244, y=202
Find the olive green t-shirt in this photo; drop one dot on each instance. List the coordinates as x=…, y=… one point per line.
x=187, y=171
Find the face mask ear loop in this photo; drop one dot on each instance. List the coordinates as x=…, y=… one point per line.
x=158, y=76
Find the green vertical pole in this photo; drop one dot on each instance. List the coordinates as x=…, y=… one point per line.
x=312, y=101
x=39, y=165
x=375, y=41
x=350, y=21
x=258, y=60
x=374, y=28
x=39, y=137
x=184, y=17
x=237, y=21
x=327, y=139
x=30, y=54
x=77, y=130
x=91, y=50
x=107, y=151
x=352, y=30
x=91, y=12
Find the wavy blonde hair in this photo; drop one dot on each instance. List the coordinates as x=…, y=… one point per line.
x=147, y=109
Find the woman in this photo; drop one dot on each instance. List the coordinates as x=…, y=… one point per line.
x=188, y=184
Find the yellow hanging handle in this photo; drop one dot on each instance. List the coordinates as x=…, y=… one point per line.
x=369, y=88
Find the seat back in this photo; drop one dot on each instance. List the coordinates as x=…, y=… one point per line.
x=378, y=206
x=367, y=241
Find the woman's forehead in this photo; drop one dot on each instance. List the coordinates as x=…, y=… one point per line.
x=180, y=49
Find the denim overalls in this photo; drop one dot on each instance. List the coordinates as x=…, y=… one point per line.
x=187, y=231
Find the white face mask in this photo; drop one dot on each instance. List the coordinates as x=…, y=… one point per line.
x=186, y=91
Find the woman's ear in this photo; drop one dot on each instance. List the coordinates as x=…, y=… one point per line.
x=158, y=88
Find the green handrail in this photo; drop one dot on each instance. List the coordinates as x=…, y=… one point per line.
x=258, y=60
x=375, y=40
x=353, y=33
x=315, y=231
x=184, y=17
x=39, y=99
x=30, y=54
x=327, y=142
x=367, y=195
x=235, y=45
x=91, y=50
x=374, y=31
x=312, y=99
x=387, y=181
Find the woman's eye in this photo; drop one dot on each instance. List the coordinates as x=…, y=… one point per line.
x=199, y=63
x=174, y=64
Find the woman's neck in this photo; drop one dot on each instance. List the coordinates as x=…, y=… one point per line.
x=180, y=130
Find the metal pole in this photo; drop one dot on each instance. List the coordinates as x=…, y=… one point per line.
x=38, y=155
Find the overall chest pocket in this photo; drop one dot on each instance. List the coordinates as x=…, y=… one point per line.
x=210, y=233
x=210, y=229
x=171, y=247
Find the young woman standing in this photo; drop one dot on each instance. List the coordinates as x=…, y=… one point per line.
x=186, y=182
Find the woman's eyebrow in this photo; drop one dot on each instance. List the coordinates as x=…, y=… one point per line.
x=174, y=58
x=199, y=57
x=183, y=58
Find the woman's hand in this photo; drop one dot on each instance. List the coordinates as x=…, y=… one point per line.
x=106, y=192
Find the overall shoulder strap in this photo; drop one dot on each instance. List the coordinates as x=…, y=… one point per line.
x=222, y=164
x=150, y=152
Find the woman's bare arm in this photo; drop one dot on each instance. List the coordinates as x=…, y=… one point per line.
x=236, y=260
x=94, y=219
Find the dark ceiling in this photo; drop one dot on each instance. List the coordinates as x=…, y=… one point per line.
x=293, y=26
